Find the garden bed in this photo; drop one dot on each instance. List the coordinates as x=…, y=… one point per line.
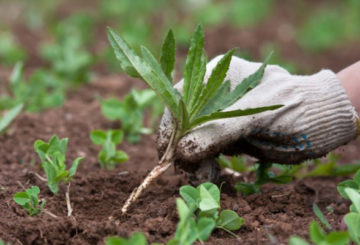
x=97, y=195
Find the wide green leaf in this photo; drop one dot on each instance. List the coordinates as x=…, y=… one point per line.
x=6, y=120
x=22, y=198
x=116, y=136
x=229, y=220
x=316, y=233
x=204, y=228
x=208, y=199
x=167, y=57
x=98, y=137
x=191, y=196
x=337, y=238
x=229, y=114
x=120, y=156
x=162, y=88
x=346, y=184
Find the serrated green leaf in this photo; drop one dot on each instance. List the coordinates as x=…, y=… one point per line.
x=229, y=114
x=150, y=59
x=6, y=120
x=197, y=84
x=162, y=88
x=214, y=82
x=98, y=137
x=193, y=63
x=217, y=101
x=229, y=220
x=167, y=57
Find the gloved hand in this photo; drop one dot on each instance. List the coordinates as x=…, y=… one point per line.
x=316, y=118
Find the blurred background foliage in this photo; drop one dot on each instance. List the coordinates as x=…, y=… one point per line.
x=69, y=36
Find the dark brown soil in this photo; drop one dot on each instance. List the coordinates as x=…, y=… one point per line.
x=97, y=194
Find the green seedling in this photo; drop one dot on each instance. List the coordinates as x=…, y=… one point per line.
x=42, y=91
x=10, y=51
x=264, y=175
x=53, y=157
x=330, y=167
x=203, y=205
x=130, y=112
x=354, y=184
x=4, y=243
x=109, y=156
x=352, y=219
x=236, y=163
x=249, y=12
x=29, y=200
x=199, y=103
x=319, y=237
x=69, y=60
x=321, y=217
x=6, y=119
x=135, y=239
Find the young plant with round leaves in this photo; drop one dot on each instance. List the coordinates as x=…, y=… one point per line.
x=199, y=103
x=109, y=156
x=204, y=201
x=53, y=158
x=29, y=200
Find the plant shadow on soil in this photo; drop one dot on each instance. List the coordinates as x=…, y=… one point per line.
x=97, y=195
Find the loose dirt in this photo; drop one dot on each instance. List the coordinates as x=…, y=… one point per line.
x=97, y=194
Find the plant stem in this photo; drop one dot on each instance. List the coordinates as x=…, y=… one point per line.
x=164, y=163
x=67, y=197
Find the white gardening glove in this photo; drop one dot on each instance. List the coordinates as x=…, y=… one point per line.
x=316, y=118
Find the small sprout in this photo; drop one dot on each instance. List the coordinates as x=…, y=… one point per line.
x=109, y=156
x=136, y=239
x=6, y=120
x=203, y=205
x=130, y=112
x=319, y=237
x=53, y=157
x=264, y=175
x=29, y=200
x=321, y=217
x=353, y=184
